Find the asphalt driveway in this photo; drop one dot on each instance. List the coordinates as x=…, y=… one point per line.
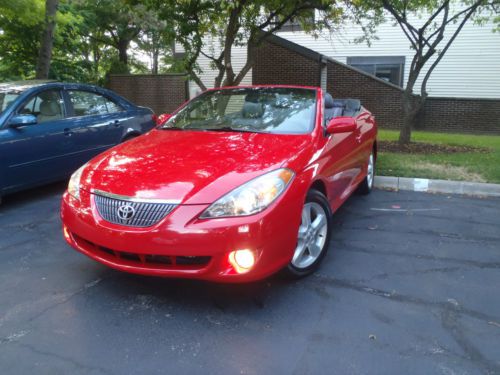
x=411, y=286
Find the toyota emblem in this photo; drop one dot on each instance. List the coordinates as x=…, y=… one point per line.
x=125, y=212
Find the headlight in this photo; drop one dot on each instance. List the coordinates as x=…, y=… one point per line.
x=74, y=182
x=251, y=197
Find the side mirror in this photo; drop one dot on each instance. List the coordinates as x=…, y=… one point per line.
x=161, y=119
x=341, y=125
x=22, y=120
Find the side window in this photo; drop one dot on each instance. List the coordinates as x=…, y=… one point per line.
x=87, y=103
x=46, y=106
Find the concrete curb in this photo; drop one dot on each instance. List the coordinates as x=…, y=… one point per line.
x=437, y=186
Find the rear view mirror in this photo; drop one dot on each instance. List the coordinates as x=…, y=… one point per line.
x=161, y=119
x=341, y=125
x=22, y=120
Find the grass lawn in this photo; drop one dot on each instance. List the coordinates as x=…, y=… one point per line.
x=467, y=166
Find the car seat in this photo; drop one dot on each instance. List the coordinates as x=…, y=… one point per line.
x=50, y=110
x=352, y=107
x=333, y=108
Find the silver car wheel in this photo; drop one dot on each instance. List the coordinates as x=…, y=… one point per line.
x=312, y=235
x=370, y=171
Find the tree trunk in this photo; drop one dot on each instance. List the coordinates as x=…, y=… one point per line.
x=408, y=118
x=154, y=68
x=122, y=47
x=45, y=52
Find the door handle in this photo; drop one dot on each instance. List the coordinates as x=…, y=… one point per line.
x=115, y=123
x=68, y=132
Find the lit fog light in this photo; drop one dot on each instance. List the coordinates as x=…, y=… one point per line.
x=242, y=260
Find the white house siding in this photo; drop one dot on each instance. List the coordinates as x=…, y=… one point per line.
x=470, y=68
x=208, y=74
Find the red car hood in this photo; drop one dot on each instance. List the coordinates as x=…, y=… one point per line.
x=193, y=167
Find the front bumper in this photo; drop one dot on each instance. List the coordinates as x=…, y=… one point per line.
x=181, y=245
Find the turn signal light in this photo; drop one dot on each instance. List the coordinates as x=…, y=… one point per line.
x=242, y=260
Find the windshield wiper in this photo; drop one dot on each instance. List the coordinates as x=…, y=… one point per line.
x=170, y=128
x=230, y=129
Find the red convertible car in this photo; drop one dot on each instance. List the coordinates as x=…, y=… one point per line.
x=237, y=184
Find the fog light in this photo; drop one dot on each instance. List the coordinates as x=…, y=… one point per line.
x=242, y=260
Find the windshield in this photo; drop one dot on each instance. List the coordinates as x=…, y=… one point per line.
x=262, y=110
x=6, y=99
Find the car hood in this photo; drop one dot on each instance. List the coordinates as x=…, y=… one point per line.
x=192, y=167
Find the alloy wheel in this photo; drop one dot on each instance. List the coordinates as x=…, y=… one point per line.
x=312, y=235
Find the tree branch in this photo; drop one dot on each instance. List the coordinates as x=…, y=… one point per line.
x=448, y=44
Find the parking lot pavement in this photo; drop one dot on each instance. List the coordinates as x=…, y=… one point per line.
x=410, y=286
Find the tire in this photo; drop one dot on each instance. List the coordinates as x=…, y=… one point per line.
x=366, y=186
x=312, y=243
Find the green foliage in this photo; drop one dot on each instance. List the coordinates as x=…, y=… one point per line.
x=455, y=166
x=92, y=38
x=230, y=23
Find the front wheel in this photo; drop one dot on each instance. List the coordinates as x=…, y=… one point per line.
x=313, y=237
x=365, y=187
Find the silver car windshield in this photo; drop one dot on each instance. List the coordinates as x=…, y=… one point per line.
x=263, y=110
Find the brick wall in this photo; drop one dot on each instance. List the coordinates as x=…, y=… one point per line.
x=279, y=61
x=479, y=116
x=275, y=64
x=383, y=100
x=162, y=93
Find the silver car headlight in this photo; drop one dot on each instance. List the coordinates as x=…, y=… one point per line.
x=74, y=182
x=251, y=197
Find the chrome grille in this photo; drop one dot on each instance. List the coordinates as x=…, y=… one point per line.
x=145, y=213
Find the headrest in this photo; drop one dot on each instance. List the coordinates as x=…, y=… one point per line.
x=49, y=108
x=353, y=104
x=328, y=101
x=339, y=103
x=252, y=110
x=252, y=97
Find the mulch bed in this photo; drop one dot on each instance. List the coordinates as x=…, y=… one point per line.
x=427, y=148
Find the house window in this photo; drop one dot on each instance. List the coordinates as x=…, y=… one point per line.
x=387, y=68
x=294, y=24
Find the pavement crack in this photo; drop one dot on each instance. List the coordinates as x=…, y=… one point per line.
x=76, y=364
x=397, y=297
x=449, y=319
x=386, y=275
x=66, y=299
x=465, y=262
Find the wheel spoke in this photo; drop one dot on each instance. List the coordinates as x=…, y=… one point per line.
x=319, y=222
x=306, y=215
x=302, y=231
x=314, y=248
x=299, y=252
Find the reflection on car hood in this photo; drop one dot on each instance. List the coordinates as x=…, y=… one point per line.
x=193, y=167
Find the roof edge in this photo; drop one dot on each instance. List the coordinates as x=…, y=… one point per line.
x=316, y=56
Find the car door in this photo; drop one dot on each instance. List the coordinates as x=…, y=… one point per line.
x=341, y=165
x=98, y=121
x=337, y=164
x=35, y=153
x=365, y=124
